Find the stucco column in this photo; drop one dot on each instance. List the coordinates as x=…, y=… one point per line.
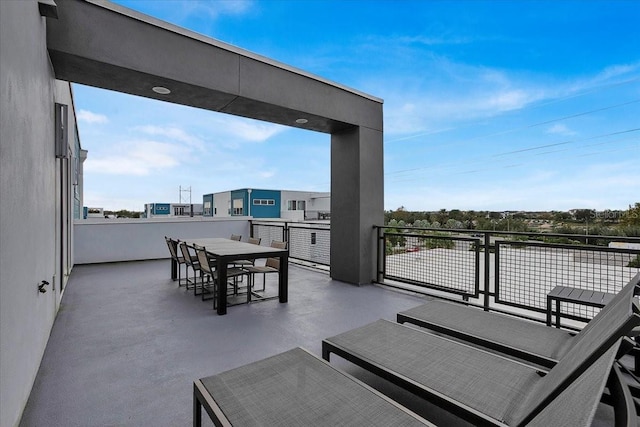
x=357, y=203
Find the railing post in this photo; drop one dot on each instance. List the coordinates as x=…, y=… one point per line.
x=487, y=268
x=380, y=247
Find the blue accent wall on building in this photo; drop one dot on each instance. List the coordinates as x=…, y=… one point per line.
x=262, y=210
x=160, y=208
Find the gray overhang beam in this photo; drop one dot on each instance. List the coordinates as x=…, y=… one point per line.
x=105, y=45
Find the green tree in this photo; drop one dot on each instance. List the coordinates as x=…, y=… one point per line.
x=584, y=215
x=631, y=217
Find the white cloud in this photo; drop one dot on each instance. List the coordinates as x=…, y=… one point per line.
x=91, y=118
x=173, y=133
x=267, y=174
x=252, y=131
x=434, y=40
x=138, y=158
x=561, y=129
x=213, y=9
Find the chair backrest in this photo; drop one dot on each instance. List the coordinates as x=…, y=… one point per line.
x=255, y=241
x=173, y=247
x=275, y=262
x=613, y=322
x=186, y=254
x=236, y=237
x=577, y=404
x=203, y=259
x=278, y=244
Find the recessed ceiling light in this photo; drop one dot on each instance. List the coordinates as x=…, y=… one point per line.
x=301, y=121
x=161, y=90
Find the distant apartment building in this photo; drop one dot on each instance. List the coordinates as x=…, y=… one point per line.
x=171, y=210
x=257, y=203
x=92, y=212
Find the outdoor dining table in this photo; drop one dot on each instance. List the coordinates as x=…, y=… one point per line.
x=225, y=251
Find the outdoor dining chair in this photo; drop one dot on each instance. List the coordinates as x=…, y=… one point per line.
x=243, y=263
x=210, y=272
x=175, y=257
x=272, y=265
x=191, y=260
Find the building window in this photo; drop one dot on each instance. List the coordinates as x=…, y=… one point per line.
x=206, y=211
x=264, y=202
x=237, y=206
x=178, y=210
x=299, y=205
x=313, y=238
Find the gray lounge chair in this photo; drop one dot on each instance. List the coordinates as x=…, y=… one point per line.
x=507, y=334
x=297, y=388
x=477, y=385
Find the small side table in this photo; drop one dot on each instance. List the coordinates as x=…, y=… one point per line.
x=574, y=295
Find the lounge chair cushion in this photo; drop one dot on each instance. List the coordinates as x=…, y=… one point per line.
x=295, y=388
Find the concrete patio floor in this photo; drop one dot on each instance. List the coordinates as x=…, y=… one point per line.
x=128, y=343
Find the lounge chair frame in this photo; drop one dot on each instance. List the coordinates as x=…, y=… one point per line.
x=362, y=347
x=505, y=343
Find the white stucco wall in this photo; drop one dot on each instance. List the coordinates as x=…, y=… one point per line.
x=221, y=203
x=111, y=240
x=27, y=202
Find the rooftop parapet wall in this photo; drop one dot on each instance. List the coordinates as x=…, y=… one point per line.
x=97, y=241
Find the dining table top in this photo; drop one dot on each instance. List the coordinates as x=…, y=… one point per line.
x=222, y=247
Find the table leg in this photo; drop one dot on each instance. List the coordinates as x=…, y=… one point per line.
x=197, y=411
x=549, y=305
x=283, y=279
x=174, y=269
x=558, y=314
x=222, y=286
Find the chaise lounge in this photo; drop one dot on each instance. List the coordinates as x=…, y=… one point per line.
x=477, y=385
x=298, y=388
x=526, y=340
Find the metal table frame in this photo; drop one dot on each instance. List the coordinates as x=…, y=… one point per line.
x=226, y=251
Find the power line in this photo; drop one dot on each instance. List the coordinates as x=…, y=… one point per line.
x=543, y=104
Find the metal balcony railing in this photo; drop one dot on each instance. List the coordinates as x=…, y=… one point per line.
x=494, y=270
x=502, y=269
x=308, y=242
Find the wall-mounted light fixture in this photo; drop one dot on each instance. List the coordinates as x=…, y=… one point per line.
x=62, y=137
x=48, y=8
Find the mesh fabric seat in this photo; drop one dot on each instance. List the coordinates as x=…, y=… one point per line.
x=475, y=384
x=272, y=265
x=516, y=337
x=295, y=388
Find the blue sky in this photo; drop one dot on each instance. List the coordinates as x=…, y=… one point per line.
x=498, y=105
